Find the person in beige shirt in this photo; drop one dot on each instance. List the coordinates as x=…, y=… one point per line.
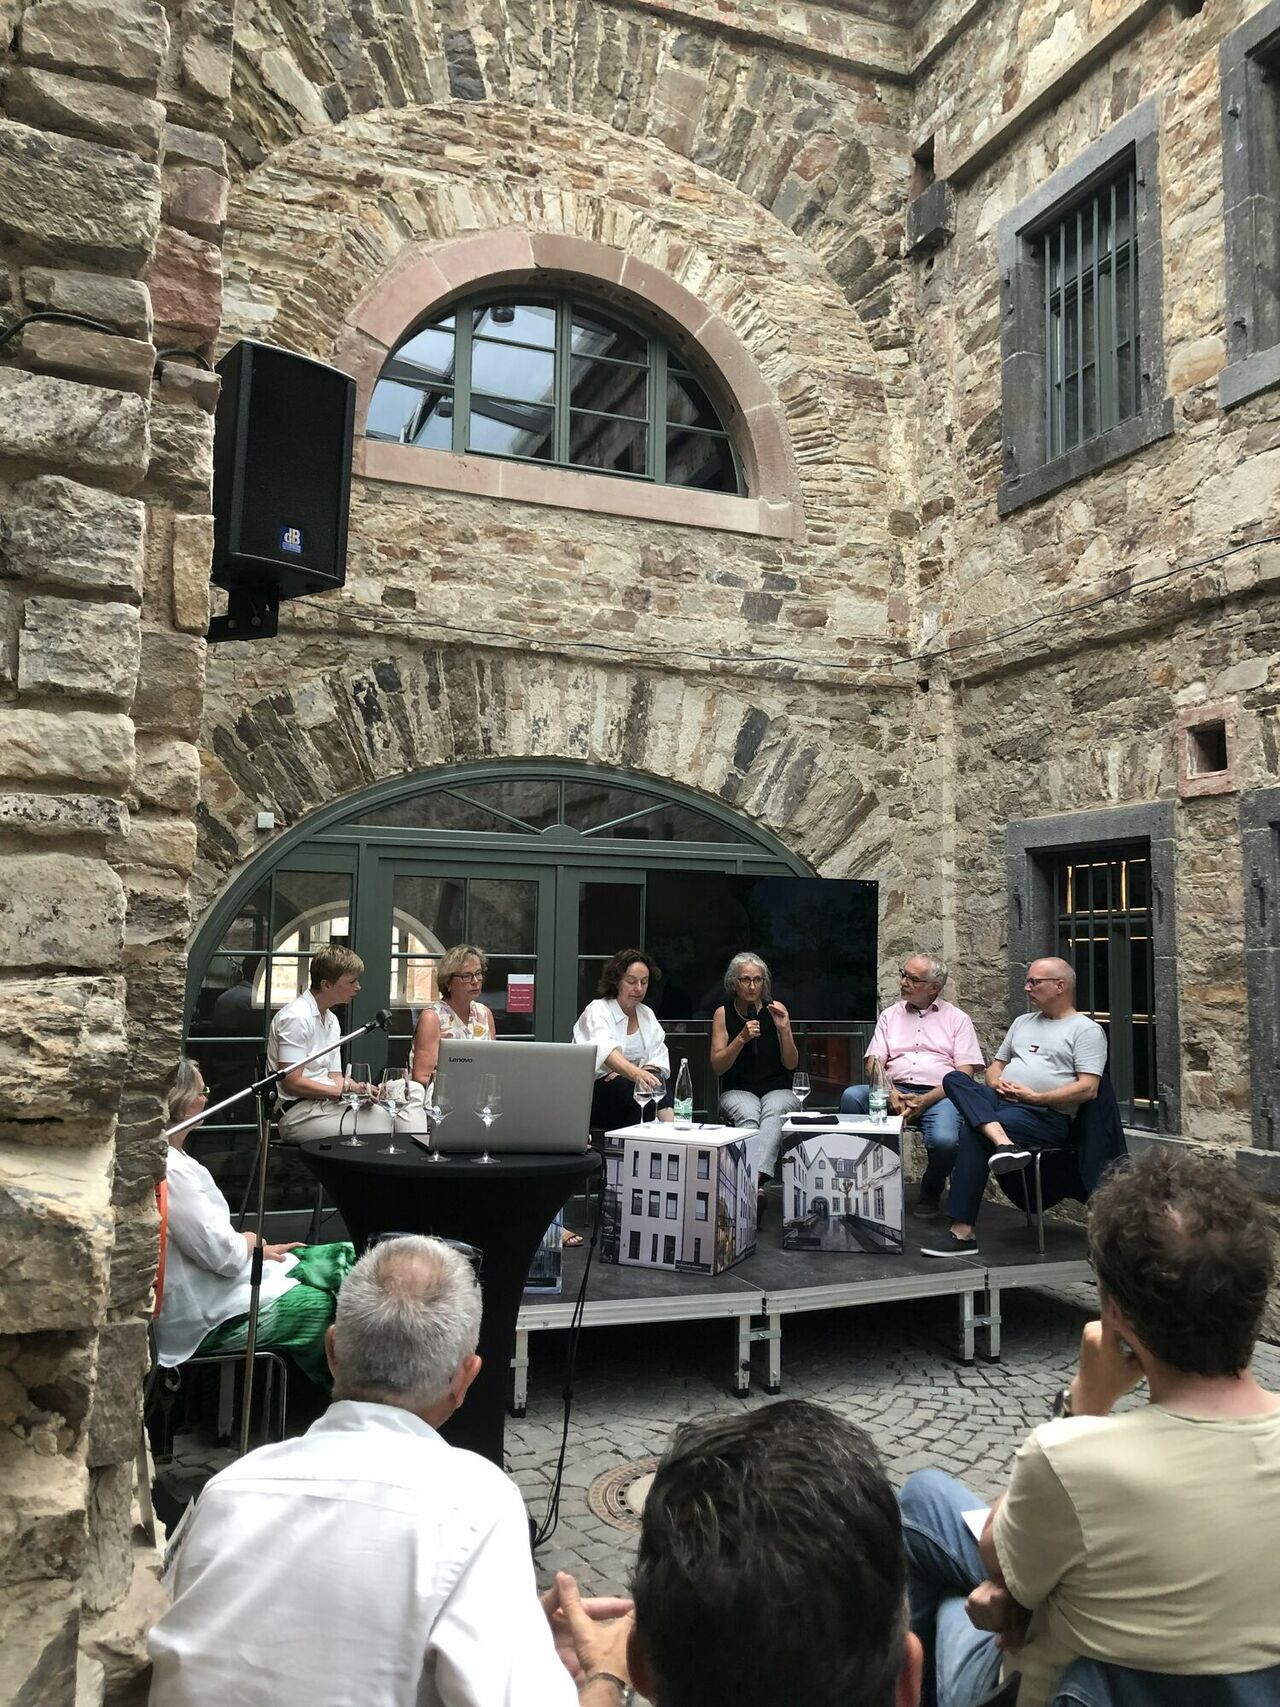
x=1148, y=1537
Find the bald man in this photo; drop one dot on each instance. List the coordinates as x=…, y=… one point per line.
x=1050, y=1064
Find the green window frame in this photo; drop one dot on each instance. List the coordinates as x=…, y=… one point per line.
x=673, y=434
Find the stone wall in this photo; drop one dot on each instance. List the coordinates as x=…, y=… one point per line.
x=1079, y=712
x=766, y=182
x=112, y=197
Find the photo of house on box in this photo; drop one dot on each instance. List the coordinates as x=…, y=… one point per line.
x=842, y=1191
x=678, y=1198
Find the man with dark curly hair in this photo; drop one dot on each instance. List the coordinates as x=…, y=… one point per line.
x=1148, y=1538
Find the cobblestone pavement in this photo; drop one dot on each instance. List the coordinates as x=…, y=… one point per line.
x=888, y=1367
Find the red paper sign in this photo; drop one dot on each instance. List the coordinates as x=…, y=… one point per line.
x=519, y=992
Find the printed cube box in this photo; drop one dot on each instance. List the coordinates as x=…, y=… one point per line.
x=678, y=1198
x=842, y=1188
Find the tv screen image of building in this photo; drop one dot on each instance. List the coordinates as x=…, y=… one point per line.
x=817, y=934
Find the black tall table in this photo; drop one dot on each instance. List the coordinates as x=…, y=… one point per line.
x=502, y=1207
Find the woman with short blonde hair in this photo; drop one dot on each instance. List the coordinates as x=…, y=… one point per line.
x=458, y=1012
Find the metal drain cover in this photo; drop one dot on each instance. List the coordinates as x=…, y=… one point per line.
x=617, y=1497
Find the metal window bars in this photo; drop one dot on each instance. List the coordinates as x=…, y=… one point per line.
x=1092, y=355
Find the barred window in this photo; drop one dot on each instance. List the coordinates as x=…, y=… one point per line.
x=1092, y=341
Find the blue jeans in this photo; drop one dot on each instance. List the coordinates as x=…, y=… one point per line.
x=1030, y=1128
x=962, y=1665
x=939, y=1127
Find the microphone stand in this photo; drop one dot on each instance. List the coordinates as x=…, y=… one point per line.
x=260, y=1089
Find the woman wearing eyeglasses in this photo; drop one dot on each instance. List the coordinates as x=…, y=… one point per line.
x=204, y=1305
x=459, y=1014
x=754, y=1053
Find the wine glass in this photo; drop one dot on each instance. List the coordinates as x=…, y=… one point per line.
x=355, y=1090
x=437, y=1106
x=642, y=1096
x=489, y=1106
x=395, y=1093
x=800, y=1087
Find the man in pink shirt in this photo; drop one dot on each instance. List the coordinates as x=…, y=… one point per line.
x=918, y=1041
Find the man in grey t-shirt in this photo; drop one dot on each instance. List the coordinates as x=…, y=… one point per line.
x=1051, y=1061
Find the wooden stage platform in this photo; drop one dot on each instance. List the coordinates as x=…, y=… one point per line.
x=755, y=1297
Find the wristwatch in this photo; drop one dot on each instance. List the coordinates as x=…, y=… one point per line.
x=1062, y=1403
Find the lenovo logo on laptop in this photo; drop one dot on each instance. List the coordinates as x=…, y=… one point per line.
x=458, y=1059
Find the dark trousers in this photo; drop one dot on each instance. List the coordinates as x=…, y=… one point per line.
x=613, y=1105
x=1030, y=1129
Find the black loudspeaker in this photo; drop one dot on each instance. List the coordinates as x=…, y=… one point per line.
x=281, y=481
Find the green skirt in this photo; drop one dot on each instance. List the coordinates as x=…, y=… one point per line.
x=298, y=1320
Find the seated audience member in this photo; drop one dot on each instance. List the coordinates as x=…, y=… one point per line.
x=1147, y=1539
x=754, y=1054
x=630, y=1045
x=770, y=1569
x=459, y=1014
x=918, y=1041
x=368, y=1561
x=1050, y=1063
x=311, y=1103
x=205, y=1303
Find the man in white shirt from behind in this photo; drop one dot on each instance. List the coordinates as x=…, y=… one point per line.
x=368, y=1562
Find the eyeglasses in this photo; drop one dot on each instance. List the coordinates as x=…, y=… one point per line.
x=744, y=979
x=1028, y=982
x=910, y=977
x=470, y=977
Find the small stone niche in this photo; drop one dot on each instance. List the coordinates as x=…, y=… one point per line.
x=1207, y=749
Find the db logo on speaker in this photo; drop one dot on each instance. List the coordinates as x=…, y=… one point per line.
x=291, y=539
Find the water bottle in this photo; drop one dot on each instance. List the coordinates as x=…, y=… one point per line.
x=684, y=1095
x=878, y=1100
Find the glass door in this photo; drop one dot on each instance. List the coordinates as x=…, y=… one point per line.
x=416, y=909
x=598, y=911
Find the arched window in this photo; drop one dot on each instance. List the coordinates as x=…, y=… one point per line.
x=555, y=380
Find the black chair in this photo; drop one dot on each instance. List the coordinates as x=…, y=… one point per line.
x=284, y=1146
x=1071, y=1170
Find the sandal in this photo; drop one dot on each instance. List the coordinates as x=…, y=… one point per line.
x=569, y=1241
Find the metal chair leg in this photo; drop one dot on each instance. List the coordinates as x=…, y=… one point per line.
x=1039, y=1203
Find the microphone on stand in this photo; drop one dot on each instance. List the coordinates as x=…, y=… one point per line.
x=754, y=1014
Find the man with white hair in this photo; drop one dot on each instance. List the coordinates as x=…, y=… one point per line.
x=1050, y=1064
x=368, y=1561
x=918, y=1041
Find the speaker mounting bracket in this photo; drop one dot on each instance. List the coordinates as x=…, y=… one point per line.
x=252, y=614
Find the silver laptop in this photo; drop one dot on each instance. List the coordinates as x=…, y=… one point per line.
x=546, y=1096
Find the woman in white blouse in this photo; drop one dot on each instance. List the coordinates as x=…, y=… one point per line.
x=204, y=1306
x=630, y=1045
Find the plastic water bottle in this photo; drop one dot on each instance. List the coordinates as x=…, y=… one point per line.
x=684, y=1095
x=878, y=1099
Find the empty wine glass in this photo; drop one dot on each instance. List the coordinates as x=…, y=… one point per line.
x=395, y=1093
x=437, y=1106
x=800, y=1087
x=489, y=1106
x=355, y=1090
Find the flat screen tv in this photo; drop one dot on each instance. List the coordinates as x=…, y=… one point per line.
x=818, y=935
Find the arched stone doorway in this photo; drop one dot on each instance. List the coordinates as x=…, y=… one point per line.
x=545, y=863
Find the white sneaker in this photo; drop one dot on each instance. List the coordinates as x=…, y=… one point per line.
x=1004, y=1159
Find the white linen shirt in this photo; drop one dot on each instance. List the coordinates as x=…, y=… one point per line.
x=298, y=1030
x=604, y=1024
x=366, y=1564
x=206, y=1264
